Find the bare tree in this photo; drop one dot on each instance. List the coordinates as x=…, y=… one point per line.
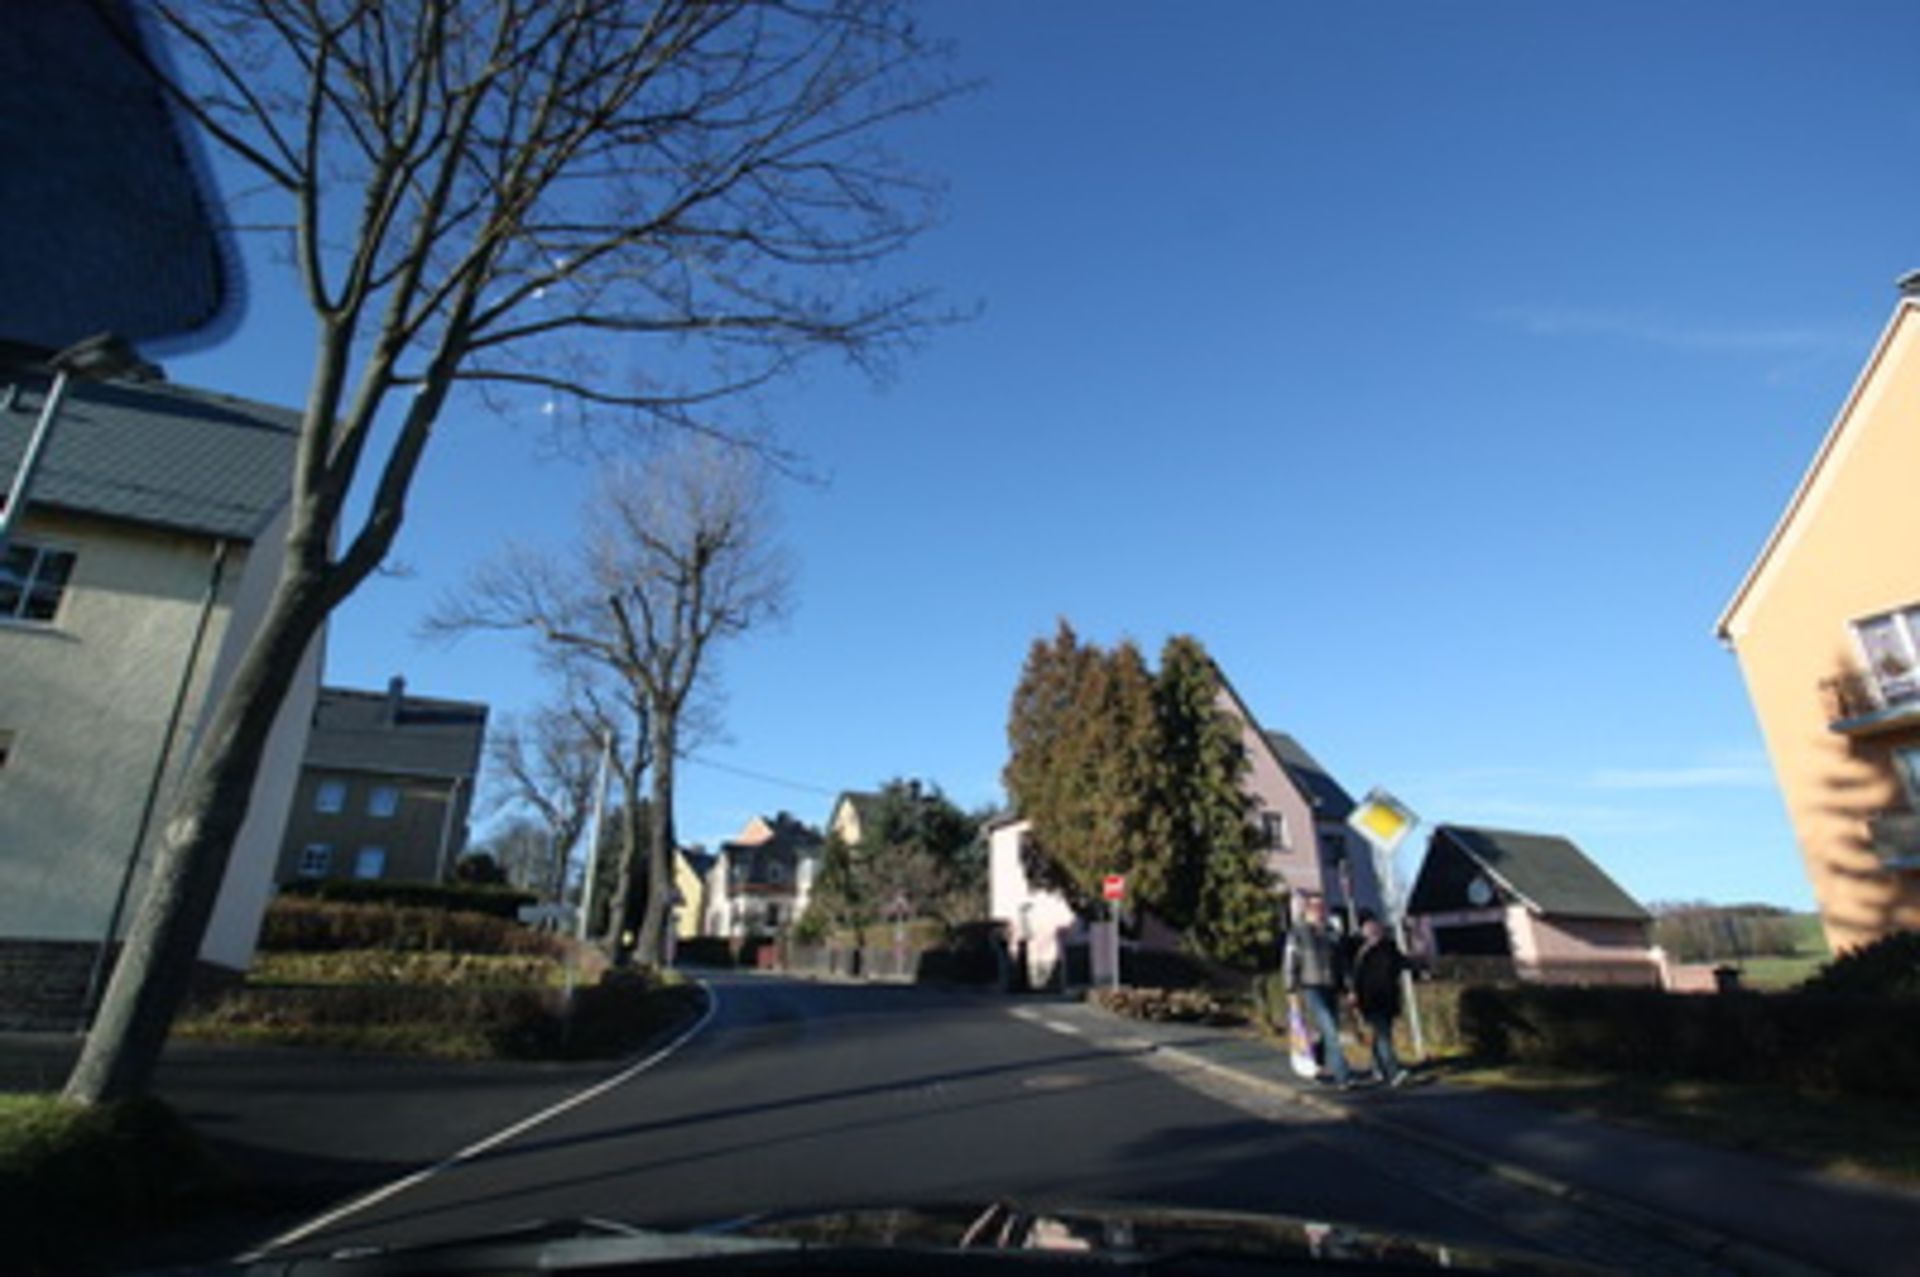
x=639, y=205
x=548, y=761
x=675, y=558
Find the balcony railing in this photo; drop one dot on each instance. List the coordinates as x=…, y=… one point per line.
x=1860, y=703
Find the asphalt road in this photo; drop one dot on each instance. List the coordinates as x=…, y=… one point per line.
x=799, y=1096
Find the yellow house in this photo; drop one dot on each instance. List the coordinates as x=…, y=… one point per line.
x=1826, y=626
x=690, y=866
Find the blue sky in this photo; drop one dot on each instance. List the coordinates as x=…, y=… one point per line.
x=1440, y=366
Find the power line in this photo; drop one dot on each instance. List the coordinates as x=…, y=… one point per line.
x=800, y=785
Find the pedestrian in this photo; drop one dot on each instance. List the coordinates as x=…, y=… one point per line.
x=1376, y=994
x=1316, y=975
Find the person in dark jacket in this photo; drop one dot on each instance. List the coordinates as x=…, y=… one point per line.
x=1316, y=974
x=1376, y=994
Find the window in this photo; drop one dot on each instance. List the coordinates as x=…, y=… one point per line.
x=1273, y=828
x=383, y=801
x=776, y=872
x=32, y=581
x=370, y=863
x=773, y=915
x=316, y=860
x=1335, y=844
x=330, y=796
x=1906, y=761
x=1890, y=646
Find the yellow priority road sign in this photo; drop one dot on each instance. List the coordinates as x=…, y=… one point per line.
x=1382, y=819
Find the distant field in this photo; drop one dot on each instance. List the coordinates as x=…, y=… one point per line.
x=1810, y=942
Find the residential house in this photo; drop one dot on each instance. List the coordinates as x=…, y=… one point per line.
x=852, y=812
x=692, y=867
x=760, y=884
x=140, y=567
x=385, y=788
x=1535, y=902
x=1301, y=810
x=1826, y=626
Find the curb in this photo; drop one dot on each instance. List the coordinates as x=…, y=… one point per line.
x=1709, y=1243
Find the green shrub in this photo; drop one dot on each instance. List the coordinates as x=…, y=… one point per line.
x=1887, y=968
x=450, y=897
x=295, y=923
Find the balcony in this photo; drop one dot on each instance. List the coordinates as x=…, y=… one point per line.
x=1896, y=837
x=1864, y=705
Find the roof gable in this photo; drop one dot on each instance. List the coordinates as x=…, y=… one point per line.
x=1818, y=476
x=411, y=735
x=1546, y=873
x=1329, y=799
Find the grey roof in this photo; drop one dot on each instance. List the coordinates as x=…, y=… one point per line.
x=162, y=455
x=359, y=731
x=1330, y=800
x=1547, y=872
x=118, y=233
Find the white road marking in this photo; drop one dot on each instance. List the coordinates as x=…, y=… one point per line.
x=471, y=1151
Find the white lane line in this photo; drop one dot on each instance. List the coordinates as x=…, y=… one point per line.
x=474, y=1150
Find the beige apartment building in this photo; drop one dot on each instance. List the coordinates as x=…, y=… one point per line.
x=1826, y=626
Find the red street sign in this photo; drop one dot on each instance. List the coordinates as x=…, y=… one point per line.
x=1113, y=887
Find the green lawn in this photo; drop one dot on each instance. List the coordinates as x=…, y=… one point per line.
x=1811, y=953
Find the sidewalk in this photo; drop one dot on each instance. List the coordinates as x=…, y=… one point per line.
x=1754, y=1212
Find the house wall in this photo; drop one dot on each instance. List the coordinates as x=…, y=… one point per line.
x=87, y=698
x=412, y=837
x=235, y=925
x=1847, y=554
x=1298, y=862
x=691, y=913
x=1041, y=921
x=1582, y=950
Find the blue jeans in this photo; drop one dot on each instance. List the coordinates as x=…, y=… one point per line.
x=1386, y=1065
x=1323, y=1014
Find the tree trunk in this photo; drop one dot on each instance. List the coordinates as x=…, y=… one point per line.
x=652, y=948
x=626, y=883
x=156, y=963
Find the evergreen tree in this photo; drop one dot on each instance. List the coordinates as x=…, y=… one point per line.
x=1218, y=887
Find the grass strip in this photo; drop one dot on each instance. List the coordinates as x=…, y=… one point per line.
x=1855, y=1137
x=74, y=1178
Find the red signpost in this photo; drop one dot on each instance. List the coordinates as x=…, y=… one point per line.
x=1113, y=887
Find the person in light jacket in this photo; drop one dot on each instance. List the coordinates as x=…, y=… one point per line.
x=1315, y=973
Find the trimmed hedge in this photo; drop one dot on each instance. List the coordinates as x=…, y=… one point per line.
x=452, y=897
x=1822, y=1042
x=473, y=1022
x=318, y=926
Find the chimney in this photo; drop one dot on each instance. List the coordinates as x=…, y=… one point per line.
x=1909, y=284
x=396, y=696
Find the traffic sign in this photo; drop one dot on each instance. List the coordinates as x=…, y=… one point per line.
x=1113, y=887
x=1383, y=820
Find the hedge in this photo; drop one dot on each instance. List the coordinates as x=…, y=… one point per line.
x=452, y=897
x=315, y=926
x=1823, y=1042
x=1184, y=1006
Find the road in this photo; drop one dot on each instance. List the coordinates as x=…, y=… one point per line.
x=799, y=1096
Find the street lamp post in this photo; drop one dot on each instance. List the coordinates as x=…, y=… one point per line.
x=98, y=358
